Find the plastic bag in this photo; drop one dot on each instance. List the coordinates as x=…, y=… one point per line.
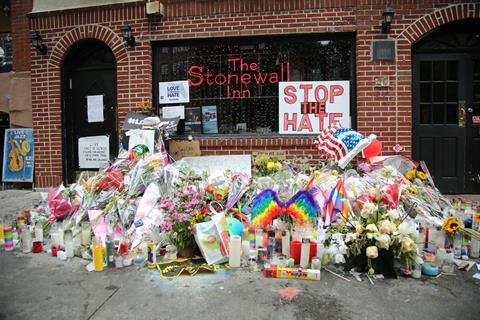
x=212, y=239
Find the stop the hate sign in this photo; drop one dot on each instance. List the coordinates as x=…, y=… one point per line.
x=307, y=107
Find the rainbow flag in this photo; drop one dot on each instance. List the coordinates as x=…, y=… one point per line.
x=337, y=203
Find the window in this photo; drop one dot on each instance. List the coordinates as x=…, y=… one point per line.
x=234, y=82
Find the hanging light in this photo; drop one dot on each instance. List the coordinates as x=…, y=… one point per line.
x=127, y=34
x=37, y=42
x=388, y=14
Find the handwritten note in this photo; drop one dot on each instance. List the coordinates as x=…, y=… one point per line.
x=179, y=149
x=93, y=152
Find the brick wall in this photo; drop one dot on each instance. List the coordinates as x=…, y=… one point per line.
x=20, y=34
x=385, y=111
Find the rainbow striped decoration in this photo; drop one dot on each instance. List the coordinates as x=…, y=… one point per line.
x=336, y=203
x=267, y=206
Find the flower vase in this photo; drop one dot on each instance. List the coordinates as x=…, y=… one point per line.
x=186, y=252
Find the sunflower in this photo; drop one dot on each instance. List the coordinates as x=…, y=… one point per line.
x=451, y=225
x=410, y=174
x=476, y=217
x=422, y=176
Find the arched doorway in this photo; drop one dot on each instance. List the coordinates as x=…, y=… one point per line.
x=89, y=99
x=446, y=105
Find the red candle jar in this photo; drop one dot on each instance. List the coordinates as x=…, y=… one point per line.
x=55, y=250
x=37, y=246
x=296, y=249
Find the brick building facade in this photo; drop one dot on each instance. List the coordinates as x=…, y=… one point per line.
x=385, y=111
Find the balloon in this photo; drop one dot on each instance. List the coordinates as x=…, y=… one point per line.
x=234, y=227
x=373, y=149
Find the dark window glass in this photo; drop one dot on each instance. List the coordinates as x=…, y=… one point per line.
x=452, y=70
x=425, y=110
x=425, y=71
x=438, y=92
x=438, y=70
x=452, y=113
x=452, y=92
x=6, y=54
x=438, y=112
x=425, y=92
x=251, y=105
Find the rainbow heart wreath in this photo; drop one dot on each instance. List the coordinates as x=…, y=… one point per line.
x=266, y=207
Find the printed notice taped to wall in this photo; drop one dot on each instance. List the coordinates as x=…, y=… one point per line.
x=173, y=92
x=93, y=152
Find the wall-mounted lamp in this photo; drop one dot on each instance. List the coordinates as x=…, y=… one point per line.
x=127, y=34
x=387, y=14
x=37, y=42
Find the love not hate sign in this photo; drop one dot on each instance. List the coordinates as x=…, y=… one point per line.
x=307, y=107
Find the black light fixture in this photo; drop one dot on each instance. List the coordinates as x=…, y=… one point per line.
x=127, y=34
x=387, y=14
x=37, y=42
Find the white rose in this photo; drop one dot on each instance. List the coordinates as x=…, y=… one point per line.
x=368, y=210
x=393, y=214
x=408, y=245
x=359, y=228
x=372, y=228
x=383, y=241
x=385, y=226
x=372, y=252
x=407, y=230
x=351, y=237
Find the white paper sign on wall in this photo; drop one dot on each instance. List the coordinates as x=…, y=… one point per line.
x=93, y=152
x=307, y=107
x=173, y=92
x=216, y=165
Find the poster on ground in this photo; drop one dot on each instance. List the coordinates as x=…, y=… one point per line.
x=93, y=152
x=18, y=156
x=307, y=107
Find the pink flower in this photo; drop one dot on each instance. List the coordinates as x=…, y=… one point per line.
x=174, y=235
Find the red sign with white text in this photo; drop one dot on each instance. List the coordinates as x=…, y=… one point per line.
x=307, y=107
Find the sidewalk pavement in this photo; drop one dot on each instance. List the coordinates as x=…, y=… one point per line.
x=38, y=286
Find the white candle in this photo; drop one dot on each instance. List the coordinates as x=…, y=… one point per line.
x=235, y=248
x=86, y=235
x=39, y=232
x=286, y=243
x=259, y=238
x=60, y=234
x=245, y=248
x=54, y=238
x=68, y=244
x=305, y=253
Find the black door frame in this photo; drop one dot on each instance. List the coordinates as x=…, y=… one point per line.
x=66, y=94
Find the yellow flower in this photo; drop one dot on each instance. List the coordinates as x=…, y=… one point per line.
x=412, y=189
x=278, y=166
x=410, y=174
x=422, y=176
x=476, y=217
x=270, y=165
x=451, y=224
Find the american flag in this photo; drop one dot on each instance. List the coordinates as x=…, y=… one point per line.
x=336, y=142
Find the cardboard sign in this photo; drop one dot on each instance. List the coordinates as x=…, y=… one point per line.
x=173, y=92
x=216, y=165
x=308, y=107
x=280, y=154
x=18, y=156
x=93, y=152
x=179, y=149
